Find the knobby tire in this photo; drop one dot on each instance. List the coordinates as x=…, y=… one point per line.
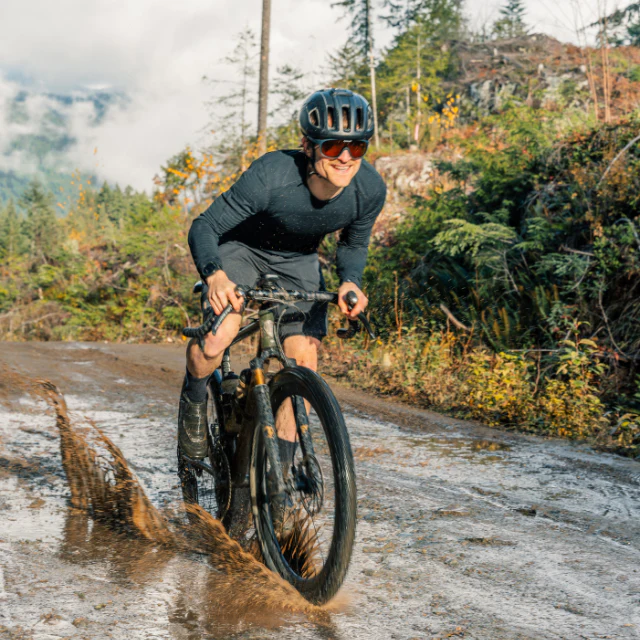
x=321, y=587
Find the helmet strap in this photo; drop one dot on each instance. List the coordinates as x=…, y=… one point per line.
x=311, y=171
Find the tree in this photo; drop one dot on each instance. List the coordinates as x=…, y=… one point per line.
x=234, y=122
x=348, y=68
x=41, y=225
x=511, y=24
x=12, y=239
x=411, y=73
x=623, y=26
x=263, y=91
x=290, y=89
x=362, y=34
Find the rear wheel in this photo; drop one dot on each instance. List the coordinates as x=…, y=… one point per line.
x=208, y=482
x=310, y=546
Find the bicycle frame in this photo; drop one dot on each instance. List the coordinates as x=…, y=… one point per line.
x=259, y=393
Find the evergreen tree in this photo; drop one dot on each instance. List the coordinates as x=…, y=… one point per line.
x=235, y=122
x=623, y=25
x=289, y=87
x=361, y=30
x=511, y=24
x=12, y=239
x=347, y=68
x=418, y=60
x=442, y=17
x=41, y=225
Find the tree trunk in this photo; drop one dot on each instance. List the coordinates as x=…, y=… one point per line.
x=263, y=92
x=408, y=116
x=374, y=102
x=372, y=73
x=418, y=93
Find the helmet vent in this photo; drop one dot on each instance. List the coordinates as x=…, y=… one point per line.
x=314, y=118
x=346, y=119
x=359, y=119
x=331, y=118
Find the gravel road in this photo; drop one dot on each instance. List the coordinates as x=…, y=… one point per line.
x=463, y=532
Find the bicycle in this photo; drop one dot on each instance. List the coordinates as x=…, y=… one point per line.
x=242, y=479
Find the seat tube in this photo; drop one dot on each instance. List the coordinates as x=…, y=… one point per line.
x=267, y=331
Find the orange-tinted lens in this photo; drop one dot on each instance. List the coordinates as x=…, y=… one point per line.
x=332, y=148
x=357, y=148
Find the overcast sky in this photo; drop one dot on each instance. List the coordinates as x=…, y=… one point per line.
x=156, y=51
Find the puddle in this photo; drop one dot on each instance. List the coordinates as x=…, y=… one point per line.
x=112, y=527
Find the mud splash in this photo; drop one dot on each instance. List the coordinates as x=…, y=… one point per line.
x=99, y=478
x=103, y=486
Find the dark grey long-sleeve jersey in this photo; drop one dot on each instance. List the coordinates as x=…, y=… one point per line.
x=271, y=208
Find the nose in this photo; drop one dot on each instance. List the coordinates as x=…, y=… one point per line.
x=345, y=156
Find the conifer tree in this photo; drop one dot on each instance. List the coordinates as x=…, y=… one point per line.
x=362, y=14
x=623, y=25
x=412, y=70
x=12, y=239
x=511, y=24
x=289, y=87
x=235, y=123
x=41, y=225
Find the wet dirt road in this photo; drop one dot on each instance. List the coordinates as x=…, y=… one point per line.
x=463, y=532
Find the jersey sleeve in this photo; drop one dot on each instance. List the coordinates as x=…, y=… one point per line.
x=247, y=197
x=353, y=246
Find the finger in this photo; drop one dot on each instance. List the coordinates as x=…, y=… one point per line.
x=342, y=305
x=222, y=300
x=360, y=307
x=234, y=299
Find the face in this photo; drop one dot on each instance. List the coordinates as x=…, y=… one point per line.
x=338, y=171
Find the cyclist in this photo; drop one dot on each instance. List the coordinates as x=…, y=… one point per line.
x=272, y=220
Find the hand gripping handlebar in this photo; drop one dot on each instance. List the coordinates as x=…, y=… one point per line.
x=213, y=322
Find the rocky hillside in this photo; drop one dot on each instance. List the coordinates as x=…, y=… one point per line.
x=540, y=71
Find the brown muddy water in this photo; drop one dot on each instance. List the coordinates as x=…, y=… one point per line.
x=463, y=531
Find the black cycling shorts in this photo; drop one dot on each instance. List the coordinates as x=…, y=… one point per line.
x=245, y=265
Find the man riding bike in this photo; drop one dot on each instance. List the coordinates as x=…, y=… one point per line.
x=272, y=220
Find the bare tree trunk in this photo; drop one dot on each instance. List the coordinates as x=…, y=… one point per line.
x=418, y=93
x=606, y=76
x=374, y=101
x=408, y=116
x=263, y=92
x=372, y=73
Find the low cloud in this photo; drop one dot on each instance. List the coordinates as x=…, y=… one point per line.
x=155, y=53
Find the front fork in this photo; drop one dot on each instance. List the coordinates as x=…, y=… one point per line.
x=266, y=421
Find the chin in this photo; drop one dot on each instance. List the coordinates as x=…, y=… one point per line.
x=339, y=179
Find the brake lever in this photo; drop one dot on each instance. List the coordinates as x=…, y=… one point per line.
x=351, y=298
x=367, y=325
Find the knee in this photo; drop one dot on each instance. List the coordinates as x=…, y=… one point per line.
x=304, y=350
x=214, y=346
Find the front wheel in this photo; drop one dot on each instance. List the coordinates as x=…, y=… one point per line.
x=313, y=549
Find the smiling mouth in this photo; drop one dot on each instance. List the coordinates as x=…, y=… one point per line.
x=341, y=168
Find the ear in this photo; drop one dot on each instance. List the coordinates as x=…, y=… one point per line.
x=306, y=146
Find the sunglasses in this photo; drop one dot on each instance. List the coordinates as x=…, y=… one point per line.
x=332, y=148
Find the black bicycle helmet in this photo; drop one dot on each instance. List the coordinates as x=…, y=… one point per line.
x=336, y=113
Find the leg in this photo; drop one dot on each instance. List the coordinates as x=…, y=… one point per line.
x=203, y=363
x=305, y=351
x=192, y=417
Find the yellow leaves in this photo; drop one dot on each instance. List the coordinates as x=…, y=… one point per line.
x=175, y=172
x=414, y=87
